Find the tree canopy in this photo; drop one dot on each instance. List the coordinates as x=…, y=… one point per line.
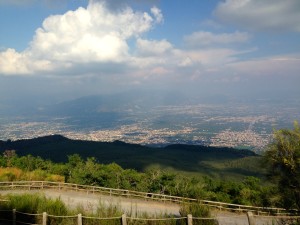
x=283, y=159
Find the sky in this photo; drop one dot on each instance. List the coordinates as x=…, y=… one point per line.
x=55, y=50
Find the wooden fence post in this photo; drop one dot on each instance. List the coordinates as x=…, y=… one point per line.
x=79, y=219
x=250, y=218
x=124, y=221
x=190, y=219
x=14, y=219
x=44, y=218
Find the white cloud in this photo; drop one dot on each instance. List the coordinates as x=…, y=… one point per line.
x=12, y=62
x=202, y=38
x=92, y=43
x=153, y=53
x=92, y=34
x=157, y=13
x=282, y=66
x=86, y=35
x=266, y=15
x=152, y=47
x=214, y=58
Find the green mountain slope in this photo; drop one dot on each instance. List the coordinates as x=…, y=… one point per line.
x=190, y=159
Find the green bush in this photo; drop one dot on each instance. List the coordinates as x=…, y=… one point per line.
x=27, y=205
x=199, y=212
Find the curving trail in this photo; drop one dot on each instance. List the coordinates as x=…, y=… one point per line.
x=136, y=207
x=91, y=201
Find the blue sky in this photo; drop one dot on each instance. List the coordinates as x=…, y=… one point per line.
x=71, y=48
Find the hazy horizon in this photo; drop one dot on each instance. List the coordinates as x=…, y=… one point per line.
x=53, y=51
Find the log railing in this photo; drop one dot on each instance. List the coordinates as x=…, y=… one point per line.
x=33, y=185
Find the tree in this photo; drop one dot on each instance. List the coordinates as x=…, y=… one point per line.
x=9, y=155
x=283, y=159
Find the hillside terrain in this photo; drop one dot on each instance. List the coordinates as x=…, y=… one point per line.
x=192, y=159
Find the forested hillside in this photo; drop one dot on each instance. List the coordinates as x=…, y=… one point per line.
x=209, y=161
x=249, y=190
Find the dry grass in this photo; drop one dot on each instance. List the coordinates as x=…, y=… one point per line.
x=15, y=174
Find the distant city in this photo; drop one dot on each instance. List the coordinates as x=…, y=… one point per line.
x=236, y=125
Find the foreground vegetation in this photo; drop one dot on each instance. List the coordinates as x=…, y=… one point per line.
x=283, y=160
x=250, y=191
x=32, y=204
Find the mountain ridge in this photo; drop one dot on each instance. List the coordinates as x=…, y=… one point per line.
x=196, y=159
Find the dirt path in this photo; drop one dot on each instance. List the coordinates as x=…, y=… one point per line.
x=136, y=207
x=91, y=201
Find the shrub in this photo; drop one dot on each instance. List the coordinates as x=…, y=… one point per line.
x=199, y=212
x=29, y=204
x=10, y=174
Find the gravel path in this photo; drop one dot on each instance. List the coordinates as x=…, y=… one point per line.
x=91, y=201
x=138, y=206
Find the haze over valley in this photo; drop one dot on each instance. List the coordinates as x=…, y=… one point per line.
x=217, y=73
x=155, y=120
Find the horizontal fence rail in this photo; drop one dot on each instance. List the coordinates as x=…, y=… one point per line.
x=44, y=218
x=61, y=186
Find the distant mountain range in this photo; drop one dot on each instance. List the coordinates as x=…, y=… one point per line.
x=122, y=102
x=211, y=161
x=112, y=103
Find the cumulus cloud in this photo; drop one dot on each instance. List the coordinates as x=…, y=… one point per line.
x=267, y=15
x=156, y=54
x=94, y=40
x=12, y=62
x=112, y=47
x=203, y=38
x=86, y=35
x=92, y=34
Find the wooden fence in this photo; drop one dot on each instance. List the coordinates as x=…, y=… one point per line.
x=60, y=186
x=44, y=218
x=15, y=217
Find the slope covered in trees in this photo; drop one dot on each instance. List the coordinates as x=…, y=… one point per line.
x=89, y=172
x=209, y=161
